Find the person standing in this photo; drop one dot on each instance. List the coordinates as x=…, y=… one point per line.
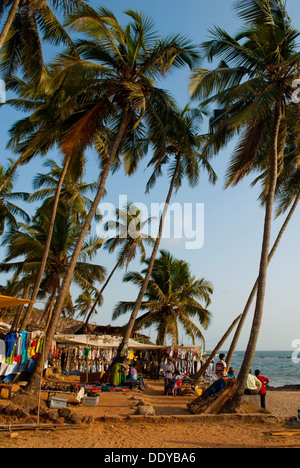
x=264, y=381
x=221, y=370
x=253, y=385
x=168, y=370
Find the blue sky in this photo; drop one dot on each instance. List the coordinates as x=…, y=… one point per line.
x=230, y=255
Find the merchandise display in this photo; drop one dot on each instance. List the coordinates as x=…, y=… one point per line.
x=19, y=352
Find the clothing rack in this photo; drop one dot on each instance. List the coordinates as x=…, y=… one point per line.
x=19, y=352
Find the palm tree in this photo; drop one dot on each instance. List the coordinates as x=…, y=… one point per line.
x=287, y=197
x=111, y=85
x=9, y=210
x=12, y=12
x=252, y=87
x=30, y=138
x=182, y=152
x=63, y=187
x=28, y=24
x=28, y=242
x=173, y=296
x=85, y=301
x=74, y=191
x=129, y=225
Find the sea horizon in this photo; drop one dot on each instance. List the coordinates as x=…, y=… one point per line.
x=277, y=365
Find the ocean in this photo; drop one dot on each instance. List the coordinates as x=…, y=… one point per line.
x=279, y=366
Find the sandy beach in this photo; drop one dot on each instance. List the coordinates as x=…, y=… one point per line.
x=115, y=424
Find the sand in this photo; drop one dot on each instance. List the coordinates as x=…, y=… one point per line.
x=115, y=425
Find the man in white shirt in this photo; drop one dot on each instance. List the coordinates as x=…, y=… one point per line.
x=168, y=370
x=253, y=385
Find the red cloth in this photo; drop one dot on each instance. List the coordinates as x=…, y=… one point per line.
x=264, y=381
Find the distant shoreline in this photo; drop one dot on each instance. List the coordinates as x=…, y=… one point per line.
x=285, y=388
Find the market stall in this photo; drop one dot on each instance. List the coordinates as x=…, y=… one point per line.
x=94, y=353
x=19, y=352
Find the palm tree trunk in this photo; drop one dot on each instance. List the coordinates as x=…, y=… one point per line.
x=254, y=289
x=141, y=294
x=47, y=245
x=33, y=385
x=48, y=308
x=204, y=368
x=10, y=174
x=9, y=21
x=102, y=289
x=17, y=317
x=262, y=276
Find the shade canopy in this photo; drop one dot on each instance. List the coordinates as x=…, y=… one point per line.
x=102, y=341
x=6, y=301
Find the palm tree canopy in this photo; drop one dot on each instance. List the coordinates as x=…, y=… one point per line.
x=81, y=97
x=288, y=183
x=25, y=248
x=183, y=140
x=255, y=75
x=117, y=67
x=130, y=238
x=35, y=22
x=74, y=191
x=9, y=211
x=173, y=297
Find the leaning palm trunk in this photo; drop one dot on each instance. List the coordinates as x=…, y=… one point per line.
x=10, y=173
x=33, y=384
x=254, y=289
x=47, y=246
x=102, y=290
x=18, y=315
x=8, y=23
x=143, y=289
x=204, y=368
x=262, y=276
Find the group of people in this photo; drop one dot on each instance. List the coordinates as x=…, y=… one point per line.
x=121, y=374
x=256, y=384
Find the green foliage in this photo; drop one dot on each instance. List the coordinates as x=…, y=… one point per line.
x=173, y=297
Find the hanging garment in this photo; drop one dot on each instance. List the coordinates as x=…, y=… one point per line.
x=2, y=351
x=24, y=346
x=10, y=341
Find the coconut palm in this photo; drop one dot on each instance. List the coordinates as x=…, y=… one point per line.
x=109, y=85
x=25, y=141
x=173, y=297
x=25, y=248
x=28, y=24
x=74, y=191
x=130, y=240
x=85, y=301
x=252, y=88
x=64, y=187
x=287, y=197
x=184, y=157
x=8, y=209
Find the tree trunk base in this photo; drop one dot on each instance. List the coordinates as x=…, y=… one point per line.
x=25, y=398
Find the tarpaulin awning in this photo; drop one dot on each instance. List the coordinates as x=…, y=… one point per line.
x=6, y=301
x=102, y=341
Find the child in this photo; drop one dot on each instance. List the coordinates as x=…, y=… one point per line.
x=231, y=373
